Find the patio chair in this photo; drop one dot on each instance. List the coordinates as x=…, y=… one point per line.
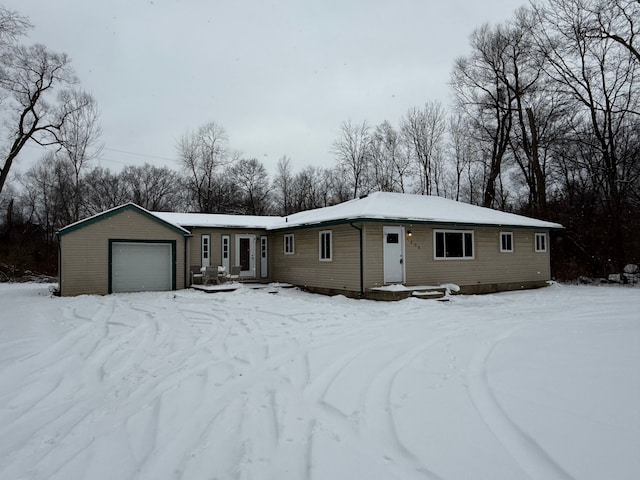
x=234, y=274
x=210, y=275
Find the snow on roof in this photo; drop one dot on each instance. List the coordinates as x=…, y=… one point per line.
x=108, y=212
x=407, y=207
x=213, y=220
x=375, y=206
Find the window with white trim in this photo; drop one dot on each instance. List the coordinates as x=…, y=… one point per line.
x=326, y=246
x=453, y=244
x=289, y=244
x=506, y=241
x=541, y=242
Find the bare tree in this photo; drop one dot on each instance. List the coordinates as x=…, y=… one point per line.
x=480, y=92
x=423, y=130
x=352, y=153
x=47, y=192
x=204, y=154
x=78, y=141
x=252, y=183
x=28, y=76
x=602, y=81
x=104, y=190
x=390, y=162
x=618, y=20
x=283, y=186
x=461, y=148
x=151, y=187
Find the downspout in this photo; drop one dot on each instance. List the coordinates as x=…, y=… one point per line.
x=186, y=279
x=59, y=293
x=361, y=259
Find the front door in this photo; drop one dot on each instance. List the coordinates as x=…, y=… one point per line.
x=246, y=255
x=393, y=238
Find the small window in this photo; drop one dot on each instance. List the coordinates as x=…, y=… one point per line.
x=289, y=245
x=452, y=244
x=326, y=254
x=506, y=241
x=541, y=242
x=393, y=238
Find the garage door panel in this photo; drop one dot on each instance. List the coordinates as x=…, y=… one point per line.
x=140, y=267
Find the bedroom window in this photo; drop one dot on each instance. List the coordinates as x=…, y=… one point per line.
x=326, y=253
x=453, y=244
x=506, y=241
x=541, y=242
x=289, y=245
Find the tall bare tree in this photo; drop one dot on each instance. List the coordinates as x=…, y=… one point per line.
x=618, y=20
x=104, y=190
x=252, y=187
x=603, y=82
x=423, y=130
x=481, y=93
x=151, y=187
x=28, y=76
x=79, y=138
x=283, y=187
x=390, y=163
x=203, y=155
x=352, y=151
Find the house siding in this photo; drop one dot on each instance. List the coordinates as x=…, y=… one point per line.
x=304, y=267
x=84, y=252
x=195, y=257
x=488, y=267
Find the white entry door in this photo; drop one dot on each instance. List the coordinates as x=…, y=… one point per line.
x=246, y=255
x=393, y=238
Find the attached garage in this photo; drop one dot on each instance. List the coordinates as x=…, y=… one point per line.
x=142, y=266
x=126, y=249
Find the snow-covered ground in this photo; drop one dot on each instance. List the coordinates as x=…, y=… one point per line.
x=542, y=384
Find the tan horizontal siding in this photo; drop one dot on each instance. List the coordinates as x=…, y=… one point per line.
x=488, y=266
x=84, y=253
x=216, y=234
x=374, y=255
x=304, y=267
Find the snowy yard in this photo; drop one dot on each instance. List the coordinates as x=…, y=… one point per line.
x=541, y=384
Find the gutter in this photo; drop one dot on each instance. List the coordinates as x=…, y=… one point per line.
x=361, y=259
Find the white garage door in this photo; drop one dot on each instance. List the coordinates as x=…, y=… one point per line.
x=141, y=267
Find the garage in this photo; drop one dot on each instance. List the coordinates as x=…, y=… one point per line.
x=142, y=266
x=125, y=249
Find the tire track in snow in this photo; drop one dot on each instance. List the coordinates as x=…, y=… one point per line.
x=377, y=409
x=529, y=455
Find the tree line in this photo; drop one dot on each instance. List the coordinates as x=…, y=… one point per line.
x=545, y=122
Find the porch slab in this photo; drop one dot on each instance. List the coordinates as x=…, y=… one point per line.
x=233, y=286
x=400, y=292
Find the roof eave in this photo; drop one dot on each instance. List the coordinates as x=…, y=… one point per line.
x=415, y=221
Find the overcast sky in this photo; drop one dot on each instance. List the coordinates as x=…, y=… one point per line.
x=280, y=76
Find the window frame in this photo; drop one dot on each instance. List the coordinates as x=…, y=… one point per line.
x=289, y=244
x=462, y=234
x=543, y=236
x=506, y=235
x=321, y=249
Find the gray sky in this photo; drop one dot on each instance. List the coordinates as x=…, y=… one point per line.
x=280, y=76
